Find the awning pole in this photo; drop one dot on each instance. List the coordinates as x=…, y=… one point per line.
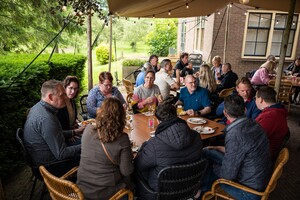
x=284, y=44
x=110, y=42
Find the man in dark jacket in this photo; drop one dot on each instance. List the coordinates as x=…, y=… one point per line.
x=228, y=79
x=245, y=158
x=174, y=143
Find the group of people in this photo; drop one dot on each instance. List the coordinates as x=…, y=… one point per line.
x=249, y=146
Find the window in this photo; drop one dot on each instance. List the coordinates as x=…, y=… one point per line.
x=199, y=34
x=279, y=26
x=183, y=35
x=264, y=34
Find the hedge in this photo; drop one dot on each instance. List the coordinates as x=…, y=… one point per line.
x=24, y=93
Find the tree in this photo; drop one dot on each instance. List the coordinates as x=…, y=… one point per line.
x=162, y=37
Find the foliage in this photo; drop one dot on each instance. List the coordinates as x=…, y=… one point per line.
x=24, y=93
x=102, y=54
x=133, y=62
x=28, y=25
x=162, y=37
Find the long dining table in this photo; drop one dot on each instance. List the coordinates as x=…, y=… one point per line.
x=140, y=131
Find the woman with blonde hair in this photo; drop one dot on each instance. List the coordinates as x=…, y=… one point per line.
x=261, y=76
x=206, y=79
x=106, y=156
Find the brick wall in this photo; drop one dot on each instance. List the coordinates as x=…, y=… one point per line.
x=214, y=39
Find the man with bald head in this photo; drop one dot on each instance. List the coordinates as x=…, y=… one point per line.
x=44, y=138
x=195, y=99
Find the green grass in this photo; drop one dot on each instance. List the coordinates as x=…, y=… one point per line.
x=124, y=51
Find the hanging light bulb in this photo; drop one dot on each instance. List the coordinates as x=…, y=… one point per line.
x=277, y=21
x=245, y=13
x=153, y=16
x=244, y=1
x=64, y=8
x=139, y=17
x=219, y=12
x=230, y=5
x=169, y=12
x=187, y=5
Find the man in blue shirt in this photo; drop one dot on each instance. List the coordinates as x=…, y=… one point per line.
x=195, y=99
x=244, y=89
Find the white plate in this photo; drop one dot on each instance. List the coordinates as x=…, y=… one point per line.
x=195, y=120
x=135, y=149
x=152, y=133
x=204, y=129
x=148, y=113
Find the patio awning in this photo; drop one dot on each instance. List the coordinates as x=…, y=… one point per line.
x=178, y=8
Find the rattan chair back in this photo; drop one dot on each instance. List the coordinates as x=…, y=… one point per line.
x=180, y=181
x=60, y=189
x=226, y=92
x=285, y=91
x=128, y=86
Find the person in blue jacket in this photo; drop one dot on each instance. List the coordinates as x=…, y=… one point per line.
x=245, y=90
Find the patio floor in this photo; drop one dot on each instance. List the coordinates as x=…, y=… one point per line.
x=18, y=187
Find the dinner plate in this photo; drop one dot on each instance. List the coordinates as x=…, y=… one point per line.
x=148, y=113
x=195, y=120
x=135, y=148
x=204, y=129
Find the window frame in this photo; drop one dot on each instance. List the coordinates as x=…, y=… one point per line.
x=270, y=35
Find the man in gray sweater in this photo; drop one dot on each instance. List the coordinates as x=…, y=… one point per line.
x=44, y=138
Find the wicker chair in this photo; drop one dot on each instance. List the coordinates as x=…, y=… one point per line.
x=179, y=181
x=216, y=191
x=63, y=189
x=84, y=112
x=128, y=86
x=226, y=92
x=285, y=91
x=34, y=169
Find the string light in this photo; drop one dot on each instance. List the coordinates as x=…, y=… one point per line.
x=153, y=16
x=187, y=5
x=245, y=13
x=139, y=18
x=219, y=12
x=169, y=12
x=277, y=21
x=230, y=5
x=64, y=8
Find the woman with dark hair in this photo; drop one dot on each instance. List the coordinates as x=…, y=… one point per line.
x=106, y=157
x=174, y=143
x=153, y=61
x=146, y=95
x=100, y=92
x=67, y=116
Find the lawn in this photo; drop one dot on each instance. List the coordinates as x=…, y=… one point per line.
x=124, y=51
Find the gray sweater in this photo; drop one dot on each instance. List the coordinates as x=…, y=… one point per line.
x=44, y=137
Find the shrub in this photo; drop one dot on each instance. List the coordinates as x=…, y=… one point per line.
x=133, y=62
x=102, y=54
x=24, y=93
x=162, y=37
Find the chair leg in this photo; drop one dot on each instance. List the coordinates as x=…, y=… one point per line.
x=44, y=190
x=32, y=189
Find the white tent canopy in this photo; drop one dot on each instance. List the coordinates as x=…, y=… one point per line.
x=178, y=8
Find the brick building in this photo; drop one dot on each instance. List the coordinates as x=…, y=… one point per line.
x=241, y=35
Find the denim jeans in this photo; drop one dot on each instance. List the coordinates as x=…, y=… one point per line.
x=239, y=194
x=215, y=158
